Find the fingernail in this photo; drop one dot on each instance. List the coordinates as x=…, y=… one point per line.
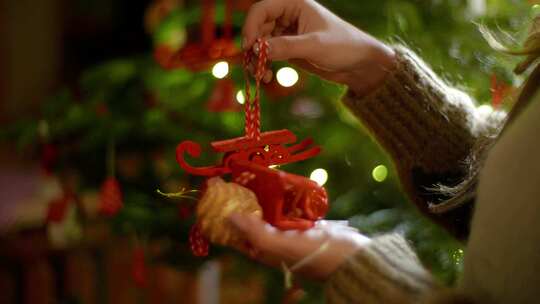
x=256, y=49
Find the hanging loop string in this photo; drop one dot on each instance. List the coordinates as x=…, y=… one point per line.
x=252, y=106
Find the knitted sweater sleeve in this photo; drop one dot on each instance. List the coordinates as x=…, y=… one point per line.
x=427, y=127
x=387, y=271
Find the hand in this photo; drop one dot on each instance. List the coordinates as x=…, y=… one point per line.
x=323, y=248
x=315, y=39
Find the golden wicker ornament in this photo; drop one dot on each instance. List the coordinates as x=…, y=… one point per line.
x=219, y=201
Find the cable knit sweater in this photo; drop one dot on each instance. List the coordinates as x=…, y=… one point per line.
x=428, y=129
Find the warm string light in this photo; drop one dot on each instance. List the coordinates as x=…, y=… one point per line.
x=220, y=69
x=287, y=77
x=320, y=176
x=380, y=173
x=240, y=98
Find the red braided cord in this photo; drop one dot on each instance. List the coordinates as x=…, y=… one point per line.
x=248, y=94
x=252, y=107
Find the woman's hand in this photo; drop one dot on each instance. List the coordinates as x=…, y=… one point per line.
x=315, y=39
x=317, y=252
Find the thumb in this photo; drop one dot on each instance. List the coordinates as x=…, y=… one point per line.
x=241, y=222
x=292, y=47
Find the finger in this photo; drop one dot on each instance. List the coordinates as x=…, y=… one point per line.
x=268, y=76
x=252, y=228
x=263, y=236
x=292, y=47
x=260, y=13
x=278, y=31
x=267, y=29
x=271, y=246
x=309, y=67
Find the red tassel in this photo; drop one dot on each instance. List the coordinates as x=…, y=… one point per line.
x=138, y=268
x=58, y=208
x=110, y=198
x=199, y=244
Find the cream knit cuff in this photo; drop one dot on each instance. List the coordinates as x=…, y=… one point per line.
x=385, y=271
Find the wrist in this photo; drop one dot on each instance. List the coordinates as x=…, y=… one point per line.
x=370, y=73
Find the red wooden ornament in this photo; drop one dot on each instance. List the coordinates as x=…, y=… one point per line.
x=110, y=197
x=268, y=148
x=200, y=55
x=138, y=268
x=288, y=201
x=271, y=149
x=198, y=243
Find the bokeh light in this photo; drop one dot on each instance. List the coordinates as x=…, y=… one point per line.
x=320, y=176
x=380, y=173
x=220, y=69
x=287, y=77
x=240, y=97
x=485, y=110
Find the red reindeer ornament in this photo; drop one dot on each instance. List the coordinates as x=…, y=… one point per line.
x=288, y=201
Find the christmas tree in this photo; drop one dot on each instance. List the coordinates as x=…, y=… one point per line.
x=110, y=137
